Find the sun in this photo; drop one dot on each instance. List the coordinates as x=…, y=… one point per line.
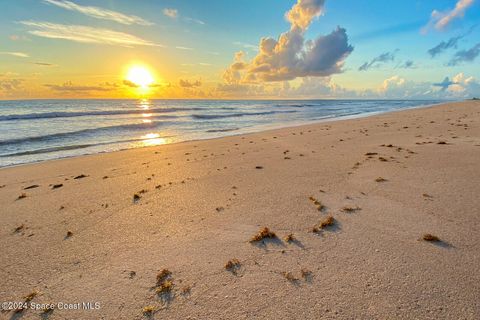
x=140, y=76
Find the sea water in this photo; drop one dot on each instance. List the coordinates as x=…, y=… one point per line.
x=37, y=130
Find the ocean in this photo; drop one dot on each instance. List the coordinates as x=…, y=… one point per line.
x=38, y=130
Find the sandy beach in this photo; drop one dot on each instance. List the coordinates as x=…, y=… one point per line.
x=168, y=232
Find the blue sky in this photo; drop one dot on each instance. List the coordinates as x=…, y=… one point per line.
x=189, y=47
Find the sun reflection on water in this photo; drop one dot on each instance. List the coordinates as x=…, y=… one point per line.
x=151, y=136
x=144, y=104
x=153, y=139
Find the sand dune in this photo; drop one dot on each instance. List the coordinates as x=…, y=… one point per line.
x=352, y=207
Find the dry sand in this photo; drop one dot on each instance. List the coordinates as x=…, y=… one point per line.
x=201, y=202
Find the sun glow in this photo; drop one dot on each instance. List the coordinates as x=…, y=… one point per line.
x=140, y=76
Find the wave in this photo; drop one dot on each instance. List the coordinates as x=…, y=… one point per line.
x=236, y=115
x=59, y=114
x=296, y=105
x=46, y=150
x=70, y=147
x=222, y=130
x=71, y=134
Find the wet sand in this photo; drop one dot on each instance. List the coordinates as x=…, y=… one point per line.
x=347, y=205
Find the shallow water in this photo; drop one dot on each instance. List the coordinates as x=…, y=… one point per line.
x=36, y=130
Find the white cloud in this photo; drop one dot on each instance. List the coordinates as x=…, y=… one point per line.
x=171, y=13
x=392, y=82
x=174, y=14
x=195, y=21
x=312, y=87
x=15, y=54
x=303, y=12
x=292, y=56
x=461, y=85
x=99, y=13
x=241, y=90
x=441, y=20
x=183, y=48
x=394, y=87
x=84, y=34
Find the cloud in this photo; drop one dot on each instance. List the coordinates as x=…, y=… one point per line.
x=8, y=85
x=15, y=54
x=160, y=85
x=303, y=13
x=291, y=56
x=409, y=64
x=171, y=13
x=84, y=34
x=311, y=88
x=450, y=43
x=444, y=84
x=444, y=45
x=460, y=86
x=189, y=84
x=441, y=20
x=469, y=86
x=130, y=84
x=465, y=55
x=45, y=64
x=99, y=13
x=183, y=48
x=456, y=87
x=375, y=62
x=392, y=82
x=393, y=87
x=396, y=87
x=70, y=87
x=240, y=90
x=110, y=84
x=194, y=20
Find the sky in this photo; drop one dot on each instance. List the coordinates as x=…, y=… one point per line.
x=250, y=49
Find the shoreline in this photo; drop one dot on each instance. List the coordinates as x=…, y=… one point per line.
x=239, y=99
x=265, y=128
x=368, y=218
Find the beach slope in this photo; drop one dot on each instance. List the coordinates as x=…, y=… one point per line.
x=382, y=212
